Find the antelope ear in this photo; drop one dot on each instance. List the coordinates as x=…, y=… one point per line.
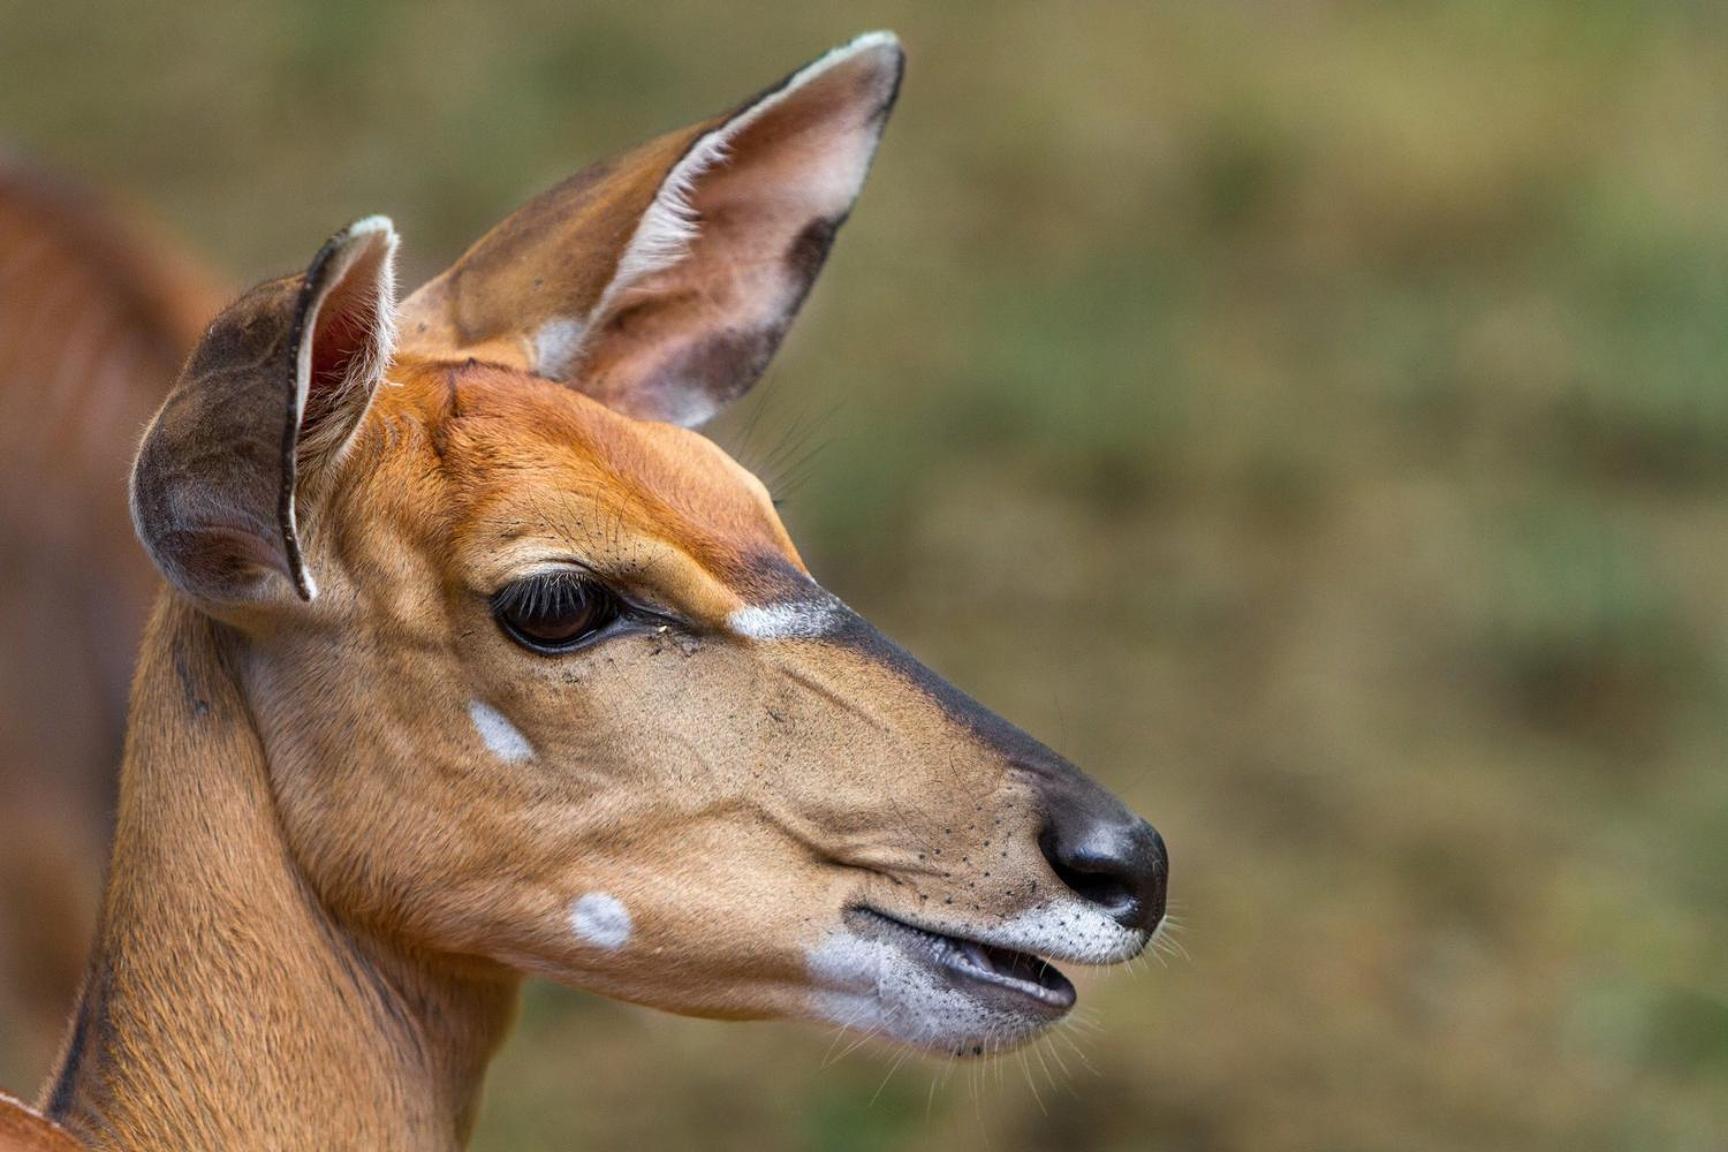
x=662, y=282
x=267, y=401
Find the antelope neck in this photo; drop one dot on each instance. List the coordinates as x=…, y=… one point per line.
x=226, y=1005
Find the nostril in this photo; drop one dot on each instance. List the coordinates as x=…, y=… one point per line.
x=1110, y=893
x=1121, y=869
x=1095, y=877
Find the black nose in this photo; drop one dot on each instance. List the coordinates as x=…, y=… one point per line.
x=1111, y=858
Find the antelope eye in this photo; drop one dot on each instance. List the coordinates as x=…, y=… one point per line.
x=555, y=612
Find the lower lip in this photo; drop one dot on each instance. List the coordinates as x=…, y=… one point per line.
x=1043, y=990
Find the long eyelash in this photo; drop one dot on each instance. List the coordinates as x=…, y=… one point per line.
x=543, y=596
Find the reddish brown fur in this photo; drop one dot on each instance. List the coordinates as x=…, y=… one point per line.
x=659, y=481
x=22, y=1129
x=388, y=912
x=95, y=319
x=329, y=880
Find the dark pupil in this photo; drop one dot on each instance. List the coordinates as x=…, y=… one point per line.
x=562, y=623
x=553, y=612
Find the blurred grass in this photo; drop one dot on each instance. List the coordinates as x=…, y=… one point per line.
x=1309, y=416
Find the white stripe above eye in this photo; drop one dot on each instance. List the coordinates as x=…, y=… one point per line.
x=786, y=621
x=501, y=737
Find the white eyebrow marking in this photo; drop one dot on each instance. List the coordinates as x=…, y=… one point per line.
x=601, y=919
x=785, y=621
x=502, y=738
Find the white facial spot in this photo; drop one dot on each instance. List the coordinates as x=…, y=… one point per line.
x=500, y=736
x=786, y=621
x=600, y=919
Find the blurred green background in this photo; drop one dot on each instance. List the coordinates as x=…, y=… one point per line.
x=1309, y=417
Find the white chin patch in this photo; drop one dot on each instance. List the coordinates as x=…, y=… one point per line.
x=501, y=737
x=600, y=919
x=877, y=987
x=873, y=987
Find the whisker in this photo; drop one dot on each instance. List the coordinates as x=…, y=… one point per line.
x=1026, y=1067
x=845, y=1027
x=1067, y=1074
x=892, y=1068
x=1080, y=1053
x=977, y=1106
x=1038, y=1053
x=869, y=1034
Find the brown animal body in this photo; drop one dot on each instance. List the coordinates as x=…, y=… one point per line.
x=23, y=1129
x=95, y=320
x=476, y=662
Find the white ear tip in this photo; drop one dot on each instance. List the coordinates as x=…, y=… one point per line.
x=372, y=230
x=883, y=44
x=881, y=38
x=369, y=236
x=372, y=224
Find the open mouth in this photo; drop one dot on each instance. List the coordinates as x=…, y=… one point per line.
x=1020, y=981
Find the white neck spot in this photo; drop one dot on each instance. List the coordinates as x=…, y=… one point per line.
x=600, y=919
x=501, y=737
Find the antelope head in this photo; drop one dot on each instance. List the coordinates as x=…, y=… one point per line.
x=541, y=680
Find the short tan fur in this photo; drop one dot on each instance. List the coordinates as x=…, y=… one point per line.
x=478, y=663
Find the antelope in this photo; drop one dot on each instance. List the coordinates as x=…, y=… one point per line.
x=477, y=662
x=96, y=316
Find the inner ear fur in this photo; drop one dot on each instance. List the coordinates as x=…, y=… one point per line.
x=662, y=282
x=271, y=394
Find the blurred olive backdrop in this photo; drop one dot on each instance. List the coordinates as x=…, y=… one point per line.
x=1311, y=418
